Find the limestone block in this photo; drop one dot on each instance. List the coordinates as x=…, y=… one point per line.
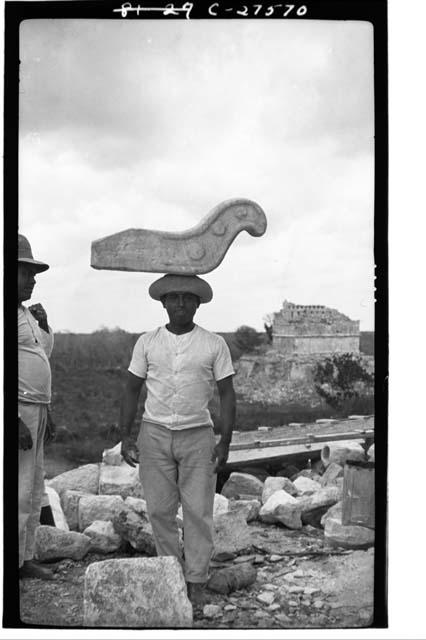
x=136, y=593
x=52, y=543
x=84, y=478
x=120, y=480
x=220, y=506
x=348, y=536
x=197, y=250
x=284, y=508
x=135, y=528
x=103, y=537
x=276, y=483
x=69, y=501
x=91, y=508
x=332, y=472
x=241, y=484
x=341, y=451
x=250, y=508
x=55, y=505
x=137, y=504
x=306, y=486
x=333, y=512
x=231, y=533
x=324, y=497
x=113, y=456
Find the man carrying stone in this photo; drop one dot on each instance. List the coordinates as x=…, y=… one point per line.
x=35, y=343
x=178, y=455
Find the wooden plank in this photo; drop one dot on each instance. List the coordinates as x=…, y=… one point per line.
x=306, y=440
x=274, y=454
x=249, y=447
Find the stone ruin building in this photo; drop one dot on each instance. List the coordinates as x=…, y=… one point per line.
x=312, y=329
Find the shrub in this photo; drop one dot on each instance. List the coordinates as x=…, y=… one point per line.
x=247, y=338
x=344, y=383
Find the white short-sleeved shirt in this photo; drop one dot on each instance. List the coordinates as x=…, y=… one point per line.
x=180, y=372
x=34, y=349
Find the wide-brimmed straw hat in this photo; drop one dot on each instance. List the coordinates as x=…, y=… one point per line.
x=171, y=283
x=26, y=255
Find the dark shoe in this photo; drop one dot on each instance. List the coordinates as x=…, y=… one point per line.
x=31, y=569
x=196, y=592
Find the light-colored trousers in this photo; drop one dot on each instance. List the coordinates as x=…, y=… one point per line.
x=176, y=466
x=31, y=478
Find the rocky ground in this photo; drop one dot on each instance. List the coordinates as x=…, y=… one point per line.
x=306, y=568
x=301, y=583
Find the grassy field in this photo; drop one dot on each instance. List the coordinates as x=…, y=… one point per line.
x=88, y=373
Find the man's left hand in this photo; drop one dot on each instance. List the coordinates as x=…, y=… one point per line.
x=40, y=315
x=220, y=454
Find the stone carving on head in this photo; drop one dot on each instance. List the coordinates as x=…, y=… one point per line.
x=197, y=250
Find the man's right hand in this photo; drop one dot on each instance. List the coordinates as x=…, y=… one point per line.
x=25, y=440
x=129, y=451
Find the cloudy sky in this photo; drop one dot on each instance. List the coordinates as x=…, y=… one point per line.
x=152, y=123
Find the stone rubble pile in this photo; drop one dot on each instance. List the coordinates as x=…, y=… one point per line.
x=100, y=508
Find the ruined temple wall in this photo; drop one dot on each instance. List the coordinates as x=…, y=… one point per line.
x=312, y=327
x=299, y=329
x=316, y=344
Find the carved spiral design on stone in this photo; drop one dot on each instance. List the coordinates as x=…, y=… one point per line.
x=196, y=251
x=219, y=228
x=241, y=213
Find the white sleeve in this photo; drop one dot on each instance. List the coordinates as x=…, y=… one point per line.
x=222, y=366
x=138, y=364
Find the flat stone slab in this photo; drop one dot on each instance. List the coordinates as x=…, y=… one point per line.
x=91, y=508
x=52, y=543
x=136, y=593
x=197, y=250
x=250, y=508
x=239, y=484
x=276, y=483
x=306, y=486
x=84, y=478
x=347, y=536
x=57, y=511
x=231, y=533
x=135, y=528
x=282, y=507
x=103, y=537
x=324, y=497
x=138, y=505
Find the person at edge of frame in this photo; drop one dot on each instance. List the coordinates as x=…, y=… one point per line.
x=35, y=426
x=176, y=447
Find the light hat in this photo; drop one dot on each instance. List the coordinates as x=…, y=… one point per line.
x=26, y=255
x=171, y=283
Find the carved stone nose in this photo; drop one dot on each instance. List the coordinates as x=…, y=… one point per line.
x=197, y=250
